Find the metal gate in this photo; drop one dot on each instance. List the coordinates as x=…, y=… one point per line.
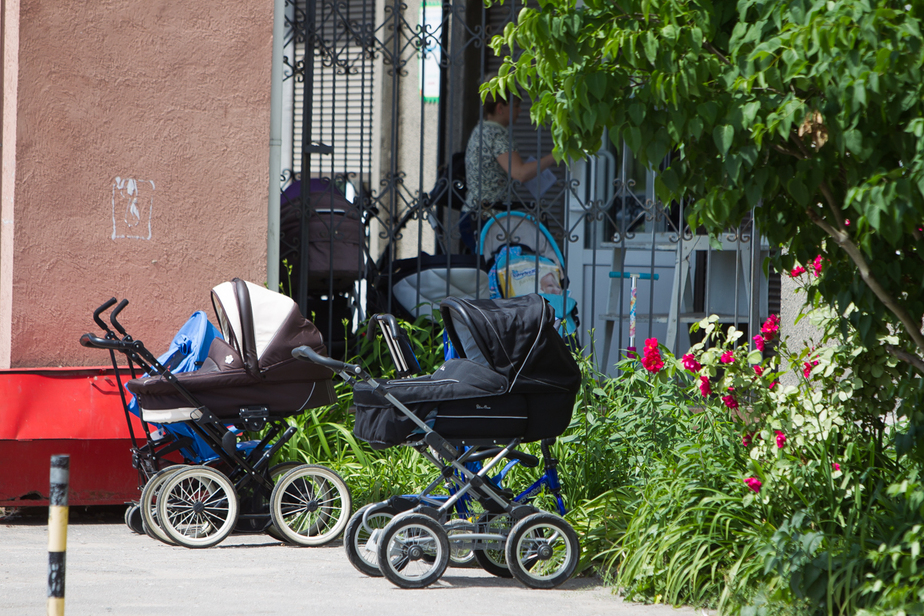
x=381, y=99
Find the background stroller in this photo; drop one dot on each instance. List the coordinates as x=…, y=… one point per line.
x=515, y=382
x=250, y=378
x=523, y=258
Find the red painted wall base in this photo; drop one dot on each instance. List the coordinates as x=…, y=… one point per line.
x=76, y=411
x=101, y=472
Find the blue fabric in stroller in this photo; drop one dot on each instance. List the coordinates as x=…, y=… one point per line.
x=188, y=349
x=524, y=259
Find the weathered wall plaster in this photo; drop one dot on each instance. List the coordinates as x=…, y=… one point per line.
x=162, y=102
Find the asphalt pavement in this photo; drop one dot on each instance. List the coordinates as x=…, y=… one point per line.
x=111, y=570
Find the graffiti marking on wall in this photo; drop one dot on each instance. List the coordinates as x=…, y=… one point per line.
x=132, y=205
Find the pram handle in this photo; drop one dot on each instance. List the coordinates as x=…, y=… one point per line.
x=100, y=311
x=95, y=342
x=115, y=313
x=308, y=354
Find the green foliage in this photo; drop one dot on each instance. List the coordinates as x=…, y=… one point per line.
x=325, y=435
x=784, y=489
x=809, y=111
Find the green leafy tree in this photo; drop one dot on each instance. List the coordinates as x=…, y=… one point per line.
x=806, y=112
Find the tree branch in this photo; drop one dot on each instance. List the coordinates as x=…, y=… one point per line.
x=905, y=356
x=842, y=239
x=835, y=211
x=783, y=150
x=716, y=52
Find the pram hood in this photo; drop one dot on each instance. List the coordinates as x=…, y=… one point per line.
x=262, y=326
x=516, y=338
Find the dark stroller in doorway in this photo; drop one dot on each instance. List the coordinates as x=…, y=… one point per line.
x=248, y=380
x=515, y=382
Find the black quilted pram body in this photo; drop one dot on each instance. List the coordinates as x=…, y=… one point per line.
x=516, y=379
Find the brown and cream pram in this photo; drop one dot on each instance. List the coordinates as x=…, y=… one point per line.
x=248, y=381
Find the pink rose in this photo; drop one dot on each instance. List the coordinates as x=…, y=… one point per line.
x=753, y=483
x=770, y=327
x=758, y=370
x=780, y=439
x=705, y=387
x=807, y=367
x=690, y=363
x=730, y=401
x=758, y=342
x=796, y=271
x=652, y=356
x=746, y=439
x=836, y=466
x=816, y=266
x=728, y=357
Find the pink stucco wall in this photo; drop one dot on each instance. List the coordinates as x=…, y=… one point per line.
x=173, y=95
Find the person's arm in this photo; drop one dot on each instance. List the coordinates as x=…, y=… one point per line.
x=521, y=171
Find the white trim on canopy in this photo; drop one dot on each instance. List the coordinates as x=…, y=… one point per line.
x=269, y=310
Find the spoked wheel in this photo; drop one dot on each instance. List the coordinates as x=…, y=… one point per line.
x=133, y=519
x=491, y=557
x=413, y=551
x=461, y=554
x=197, y=507
x=361, y=554
x=542, y=550
x=275, y=472
x=149, y=498
x=310, y=505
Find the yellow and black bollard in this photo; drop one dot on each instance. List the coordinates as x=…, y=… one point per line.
x=57, y=532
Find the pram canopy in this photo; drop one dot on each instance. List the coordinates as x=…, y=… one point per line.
x=514, y=337
x=253, y=365
x=516, y=379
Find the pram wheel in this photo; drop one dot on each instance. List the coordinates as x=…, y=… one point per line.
x=542, y=550
x=310, y=505
x=356, y=537
x=197, y=507
x=133, y=519
x=491, y=558
x=460, y=554
x=149, y=497
x=413, y=550
x=275, y=472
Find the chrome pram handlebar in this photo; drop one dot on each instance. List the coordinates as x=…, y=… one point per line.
x=308, y=354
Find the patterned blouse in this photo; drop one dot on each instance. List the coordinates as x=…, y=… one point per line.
x=485, y=180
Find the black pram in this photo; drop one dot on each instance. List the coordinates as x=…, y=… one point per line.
x=516, y=382
x=516, y=379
